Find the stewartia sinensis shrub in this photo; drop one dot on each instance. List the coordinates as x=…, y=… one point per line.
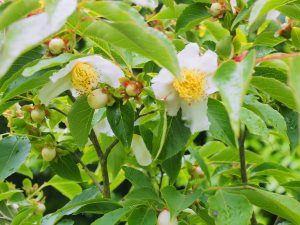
x=149, y=112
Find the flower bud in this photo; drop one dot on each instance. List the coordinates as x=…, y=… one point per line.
x=38, y=115
x=40, y=208
x=48, y=153
x=164, y=218
x=216, y=9
x=97, y=99
x=131, y=90
x=56, y=46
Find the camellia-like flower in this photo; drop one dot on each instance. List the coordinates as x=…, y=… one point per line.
x=189, y=91
x=81, y=76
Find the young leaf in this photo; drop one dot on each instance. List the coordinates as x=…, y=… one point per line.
x=229, y=209
x=137, y=178
x=121, y=120
x=232, y=80
x=80, y=121
x=172, y=166
x=176, y=201
x=191, y=16
x=14, y=151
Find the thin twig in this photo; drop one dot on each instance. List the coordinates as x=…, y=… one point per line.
x=110, y=147
x=89, y=173
x=277, y=56
x=243, y=166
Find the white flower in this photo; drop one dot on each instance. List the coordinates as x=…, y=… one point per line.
x=81, y=76
x=190, y=91
x=273, y=15
x=140, y=151
x=233, y=4
x=103, y=127
x=151, y=4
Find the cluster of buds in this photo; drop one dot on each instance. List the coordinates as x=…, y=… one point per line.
x=218, y=9
x=132, y=88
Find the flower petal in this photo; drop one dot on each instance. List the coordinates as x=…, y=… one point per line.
x=103, y=127
x=211, y=87
x=151, y=4
x=195, y=115
x=51, y=90
x=140, y=151
x=189, y=57
x=172, y=103
x=208, y=62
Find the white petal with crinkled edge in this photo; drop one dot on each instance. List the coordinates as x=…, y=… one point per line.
x=211, y=87
x=195, y=115
x=151, y=4
x=189, y=57
x=103, y=127
x=172, y=103
x=208, y=62
x=52, y=90
x=140, y=151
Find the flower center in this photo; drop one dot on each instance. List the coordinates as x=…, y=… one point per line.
x=192, y=85
x=84, y=78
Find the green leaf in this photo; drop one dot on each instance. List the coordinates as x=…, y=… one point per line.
x=137, y=178
x=292, y=122
x=143, y=196
x=262, y=7
x=31, y=31
x=23, y=216
x=169, y=13
x=296, y=37
x=140, y=39
x=220, y=127
x=24, y=84
x=116, y=11
x=201, y=162
x=100, y=207
x=176, y=201
x=14, y=151
x=281, y=205
x=80, y=121
x=79, y=201
x=269, y=115
x=16, y=10
x=169, y=3
x=216, y=29
x=48, y=63
x=271, y=72
x=229, y=209
x=6, y=195
x=268, y=39
x=66, y=167
x=290, y=10
x=232, y=80
x=66, y=222
x=295, y=78
x=254, y=123
x=112, y=217
x=66, y=187
x=121, y=120
x=142, y=215
x=191, y=16
x=152, y=128
x=175, y=141
x=275, y=89
x=172, y=166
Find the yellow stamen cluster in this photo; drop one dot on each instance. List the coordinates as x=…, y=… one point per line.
x=191, y=86
x=84, y=78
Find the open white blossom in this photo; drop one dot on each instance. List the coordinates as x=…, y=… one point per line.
x=151, y=4
x=81, y=76
x=190, y=91
x=140, y=151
